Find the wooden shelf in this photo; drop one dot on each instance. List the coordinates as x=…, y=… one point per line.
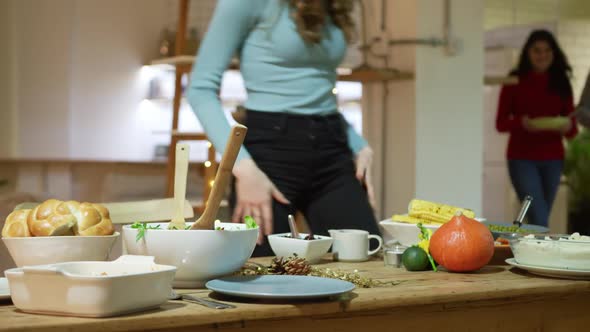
x=164, y=99
x=183, y=135
x=344, y=74
x=75, y=161
x=368, y=75
x=189, y=136
x=364, y=75
x=175, y=60
x=186, y=61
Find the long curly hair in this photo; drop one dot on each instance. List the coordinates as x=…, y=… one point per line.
x=310, y=17
x=560, y=70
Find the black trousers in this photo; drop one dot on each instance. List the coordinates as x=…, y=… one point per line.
x=309, y=161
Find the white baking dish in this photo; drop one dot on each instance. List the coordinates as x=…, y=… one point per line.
x=91, y=289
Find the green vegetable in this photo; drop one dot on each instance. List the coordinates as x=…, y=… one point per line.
x=142, y=227
x=549, y=122
x=506, y=229
x=415, y=259
x=250, y=222
x=577, y=170
x=175, y=229
x=424, y=236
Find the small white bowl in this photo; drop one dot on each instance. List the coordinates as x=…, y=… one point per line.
x=40, y=250
x=199, y=255
x=312, y=250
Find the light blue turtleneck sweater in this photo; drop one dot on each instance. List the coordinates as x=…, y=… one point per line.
x=281, y=72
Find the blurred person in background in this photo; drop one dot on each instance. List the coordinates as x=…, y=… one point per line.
x=535, y=150
x=299, y=153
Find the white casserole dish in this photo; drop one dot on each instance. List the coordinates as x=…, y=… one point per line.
x=91, y=289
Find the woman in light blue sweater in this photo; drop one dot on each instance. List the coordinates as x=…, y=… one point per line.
x=299, y=153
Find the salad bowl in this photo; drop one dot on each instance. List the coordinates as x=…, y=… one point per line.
x=199, y=255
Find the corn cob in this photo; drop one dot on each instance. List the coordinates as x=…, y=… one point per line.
x=411, y=220
x=435, y=212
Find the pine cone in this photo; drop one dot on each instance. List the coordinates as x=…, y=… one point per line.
x=277, y=266
x=297, y=266
x=292, y=265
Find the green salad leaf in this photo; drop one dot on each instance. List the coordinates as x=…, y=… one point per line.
x=250, y=222
x=424, y=243
x=142, y=227
x=175, y=229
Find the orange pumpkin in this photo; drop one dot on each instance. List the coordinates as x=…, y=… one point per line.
x=462, y=244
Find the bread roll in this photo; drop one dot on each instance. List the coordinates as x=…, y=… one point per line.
x=51, y=218
x=91, y=219
x=16, y=224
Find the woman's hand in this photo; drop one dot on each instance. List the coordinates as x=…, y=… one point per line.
x=566, y=127
x=364, y=160
x=255, y=192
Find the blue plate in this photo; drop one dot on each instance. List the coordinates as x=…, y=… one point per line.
x=279, y=286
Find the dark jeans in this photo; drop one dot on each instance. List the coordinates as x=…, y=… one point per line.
x=540, y=179
x=308, y=159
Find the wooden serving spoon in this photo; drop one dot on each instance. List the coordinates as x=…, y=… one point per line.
x=180, y=174
x=236, y=138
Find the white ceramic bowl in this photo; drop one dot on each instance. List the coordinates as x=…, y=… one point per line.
x=312, y=250
x=405, y=233
x=199, y=255
x=26, y=251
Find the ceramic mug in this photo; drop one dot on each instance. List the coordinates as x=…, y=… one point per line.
x=352, y=245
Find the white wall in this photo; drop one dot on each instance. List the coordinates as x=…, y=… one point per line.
x=574, y=37
x=106, y=87
x=427, y=133
x=7, y=88
x=399, y=114
x=77, y=78
x=43, y=44
x=449, y=107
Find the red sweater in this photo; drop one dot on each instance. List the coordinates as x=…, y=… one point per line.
x=531, y=97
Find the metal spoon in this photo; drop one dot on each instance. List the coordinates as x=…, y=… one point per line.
x=523, y=210
x=205, y=302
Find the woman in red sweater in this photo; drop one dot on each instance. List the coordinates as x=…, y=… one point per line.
x=535, y=154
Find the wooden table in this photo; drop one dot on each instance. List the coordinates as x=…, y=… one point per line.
x=497, y=298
